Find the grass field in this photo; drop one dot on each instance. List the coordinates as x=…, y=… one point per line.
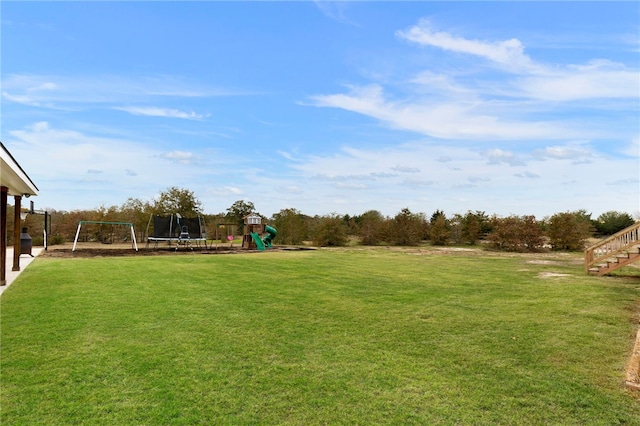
x=353, y=336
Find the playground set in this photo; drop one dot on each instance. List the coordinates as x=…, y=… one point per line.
x=182, y=232
x=253, y=229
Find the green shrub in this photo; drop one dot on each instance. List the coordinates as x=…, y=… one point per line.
x=570, y=230
x=330, y=231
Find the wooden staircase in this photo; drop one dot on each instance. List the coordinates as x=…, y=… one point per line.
x=613, y=252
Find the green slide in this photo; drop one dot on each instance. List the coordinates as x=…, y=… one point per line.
x=272, y=234
x=257, y=240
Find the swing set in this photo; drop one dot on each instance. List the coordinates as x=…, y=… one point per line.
x=111, y=238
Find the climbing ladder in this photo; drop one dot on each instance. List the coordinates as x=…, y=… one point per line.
x=613, y=252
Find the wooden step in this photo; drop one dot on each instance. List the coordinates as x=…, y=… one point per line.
x=622, y=259
x=618, y=249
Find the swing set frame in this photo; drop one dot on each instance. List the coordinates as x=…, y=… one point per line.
x=134, y=244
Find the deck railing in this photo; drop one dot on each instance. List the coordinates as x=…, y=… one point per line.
x=609, y=247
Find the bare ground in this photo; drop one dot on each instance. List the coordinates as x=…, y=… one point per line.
x=84, y=250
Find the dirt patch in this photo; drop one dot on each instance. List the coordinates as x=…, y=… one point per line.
x=84, y=250
x=543, y=262
x=552, y=275
x=93, y=252
x=87, y=250
x=430, y=250
x=633, y=368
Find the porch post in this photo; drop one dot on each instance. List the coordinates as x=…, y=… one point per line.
x=3, y=234
x=16, y=232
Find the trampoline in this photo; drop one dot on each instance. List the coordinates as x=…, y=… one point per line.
x=176, y=230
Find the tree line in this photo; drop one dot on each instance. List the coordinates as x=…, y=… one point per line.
x=561, y=231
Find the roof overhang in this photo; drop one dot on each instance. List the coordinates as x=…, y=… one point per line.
x=13, y=177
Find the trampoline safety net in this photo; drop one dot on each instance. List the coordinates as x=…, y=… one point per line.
x=169, y=228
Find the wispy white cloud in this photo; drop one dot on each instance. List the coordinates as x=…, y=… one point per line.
x=566, y=152
x=66, y=156
x=383, y=175
x=499, y=156
x=633, y=148
x=287, y=155
x=596, y=80
x=350, y=185
x=509, y=53
x=444, y=85
x=32, y=94
x=342, y=177
x=475, y=179
x=405, y=169
x=624, y=182
x=162, y=112
x=70, y=162
x=36, y=92
x=20, y=99
x=527, y=174
x=335, y=10
x=61, y=92
x=518, y=101
x=291, y=189
x=180, y=157
x=418, y=182
x=447, y=120
x=223, y=191
x=507, y=181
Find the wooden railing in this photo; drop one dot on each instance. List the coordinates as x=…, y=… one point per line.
x=611, y=246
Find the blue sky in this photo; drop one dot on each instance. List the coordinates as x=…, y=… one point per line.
x=327, y=107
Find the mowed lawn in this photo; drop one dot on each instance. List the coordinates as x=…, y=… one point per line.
x=352, y=336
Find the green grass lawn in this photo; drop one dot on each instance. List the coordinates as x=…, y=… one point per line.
x=354, y=336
